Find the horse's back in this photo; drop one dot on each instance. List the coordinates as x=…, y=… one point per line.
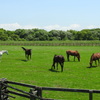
x=72, y=52
x=95, y=56
x=29, y=51
x=59, y=58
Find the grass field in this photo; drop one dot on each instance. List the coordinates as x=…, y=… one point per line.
x=37, y=70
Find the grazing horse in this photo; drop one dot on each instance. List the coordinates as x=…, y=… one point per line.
x=58, y=59
x=95, y=57
x=27, y=53
x=2, y=52
x=73, y=53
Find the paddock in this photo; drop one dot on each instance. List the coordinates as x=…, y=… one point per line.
x=76, y=75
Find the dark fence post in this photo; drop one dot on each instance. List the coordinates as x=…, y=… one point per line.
x=39, y=91
x=3, y=90
x=34, y=92
x=90, y=95
x=0, y=89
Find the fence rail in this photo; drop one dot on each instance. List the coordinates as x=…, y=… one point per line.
x=53, y=44
x=34, y=93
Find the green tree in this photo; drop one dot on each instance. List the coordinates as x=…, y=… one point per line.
x=3, y=36
x=41, y=35
x=21, y=33
x=15, y=37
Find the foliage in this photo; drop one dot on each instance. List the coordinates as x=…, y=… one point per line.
x=43, y=35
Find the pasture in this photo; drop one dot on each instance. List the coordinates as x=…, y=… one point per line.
x=37, y=71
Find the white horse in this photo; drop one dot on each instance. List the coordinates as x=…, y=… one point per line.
x=2, y=52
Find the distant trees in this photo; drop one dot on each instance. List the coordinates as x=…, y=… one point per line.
x=43, y=35
x=57, y=35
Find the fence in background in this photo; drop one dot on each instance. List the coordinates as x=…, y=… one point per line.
x=53, y=44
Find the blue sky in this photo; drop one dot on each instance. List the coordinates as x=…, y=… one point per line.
x=50, y=14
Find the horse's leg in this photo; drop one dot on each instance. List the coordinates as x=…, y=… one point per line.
x=27, y=57
x=98, y=62
x=57, y=66
x=53, y=65
x=68, y=57
x=74, y=58
x=30, y=56
x=91, y=63
x=61, y=64
x=95, y=62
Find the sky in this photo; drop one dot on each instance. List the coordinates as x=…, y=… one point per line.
x=50, y=14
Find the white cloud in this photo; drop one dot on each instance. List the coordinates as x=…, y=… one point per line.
x=58, y=27
x=15, y=26
x=92, y=26
x=10, y=26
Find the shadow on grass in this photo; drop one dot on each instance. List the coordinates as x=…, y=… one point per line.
x=53, y=70
x=22, y=60
x=92, y=67
x=71, y=61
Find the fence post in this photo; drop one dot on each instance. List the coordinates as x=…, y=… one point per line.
x=39, y=91
x=34, y=92
x=0, y=89
x=90, y=95
x=3, y=90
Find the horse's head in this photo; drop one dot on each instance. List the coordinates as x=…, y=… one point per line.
x=4, y=51
x=7, y=52
x=78, y=56
x=90, y=63
x=91, y=59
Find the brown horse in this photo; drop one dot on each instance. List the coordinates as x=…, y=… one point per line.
x=95, y=57
x=58, y=59
x=73, y=53
x=27, y=53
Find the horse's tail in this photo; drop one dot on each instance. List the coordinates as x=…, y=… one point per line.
x=23, y=48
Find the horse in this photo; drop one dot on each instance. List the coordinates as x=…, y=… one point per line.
x=73, y=53
x=27, y=53
x=94, y=57
x=58, y=59
x=2, y=52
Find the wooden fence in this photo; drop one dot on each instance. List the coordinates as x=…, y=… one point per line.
x=53, y=44
x=34, y=93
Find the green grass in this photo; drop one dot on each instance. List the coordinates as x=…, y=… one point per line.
x=37, y=70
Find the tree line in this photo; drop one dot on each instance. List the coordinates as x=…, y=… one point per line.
x=43, y=35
